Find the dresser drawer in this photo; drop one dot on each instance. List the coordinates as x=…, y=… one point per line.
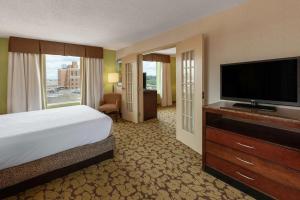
x=260, y=183
x=265, y=168
x=276, y=153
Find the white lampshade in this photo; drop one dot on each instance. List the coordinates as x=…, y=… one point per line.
x=113, y=77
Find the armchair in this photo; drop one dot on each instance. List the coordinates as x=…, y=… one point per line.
x=111, y=104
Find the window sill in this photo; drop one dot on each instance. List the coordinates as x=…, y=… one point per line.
x=65, y=104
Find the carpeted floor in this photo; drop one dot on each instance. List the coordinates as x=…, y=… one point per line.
x=149, y=163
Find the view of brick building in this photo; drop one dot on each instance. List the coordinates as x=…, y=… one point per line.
x=69, y=76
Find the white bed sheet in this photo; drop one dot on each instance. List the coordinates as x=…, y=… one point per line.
x=29, y=136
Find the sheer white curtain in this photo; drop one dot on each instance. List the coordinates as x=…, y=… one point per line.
x=163, y=80
x=24, y=82
x=91, y=81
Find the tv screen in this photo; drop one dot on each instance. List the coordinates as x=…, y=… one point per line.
x=273, y=81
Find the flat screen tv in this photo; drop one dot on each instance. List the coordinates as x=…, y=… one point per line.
x=269, y=81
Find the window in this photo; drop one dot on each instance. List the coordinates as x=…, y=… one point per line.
x=150, y=69
x=62, y=79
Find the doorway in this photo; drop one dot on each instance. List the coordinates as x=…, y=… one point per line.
x=159, y=85
x=189, y=87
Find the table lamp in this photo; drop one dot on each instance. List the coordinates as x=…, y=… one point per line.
x=113, y=78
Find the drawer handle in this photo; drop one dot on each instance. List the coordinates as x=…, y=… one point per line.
x=244, y=161
x=247, y=146
x=247, y=177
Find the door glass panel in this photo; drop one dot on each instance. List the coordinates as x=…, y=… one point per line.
x=188, y=79
x=129, y=85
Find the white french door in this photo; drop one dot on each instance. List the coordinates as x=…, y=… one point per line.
x=189, y=78
x=130, y=88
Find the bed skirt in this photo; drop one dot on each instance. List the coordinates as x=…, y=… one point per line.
x=49, y=167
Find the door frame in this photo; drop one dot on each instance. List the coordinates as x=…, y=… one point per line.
x=140, y=88
x=194, y=142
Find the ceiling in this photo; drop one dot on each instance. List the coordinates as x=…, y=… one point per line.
x=113, y=24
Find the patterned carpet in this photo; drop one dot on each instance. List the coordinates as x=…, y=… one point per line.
x=149, y=163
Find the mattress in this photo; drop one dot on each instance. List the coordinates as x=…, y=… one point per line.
x=29, y=136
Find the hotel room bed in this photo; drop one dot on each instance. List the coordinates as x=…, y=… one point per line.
x=34, y=144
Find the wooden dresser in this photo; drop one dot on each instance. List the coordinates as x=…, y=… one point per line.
x=256, y=151
x=150, y=104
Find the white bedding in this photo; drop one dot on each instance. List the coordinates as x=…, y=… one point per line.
x=28, y=136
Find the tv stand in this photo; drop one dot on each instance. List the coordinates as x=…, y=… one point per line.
x=255, y=106
x=256, y=151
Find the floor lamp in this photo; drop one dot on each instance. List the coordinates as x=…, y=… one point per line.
x=113, y=78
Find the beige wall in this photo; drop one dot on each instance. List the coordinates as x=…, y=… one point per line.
x=257, y=29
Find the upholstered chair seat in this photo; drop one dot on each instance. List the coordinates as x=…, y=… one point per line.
x=108, y=108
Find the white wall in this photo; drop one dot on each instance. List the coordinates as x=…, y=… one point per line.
x=257, y=29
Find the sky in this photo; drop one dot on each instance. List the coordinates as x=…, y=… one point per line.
x=54, y=62
x=149, y=68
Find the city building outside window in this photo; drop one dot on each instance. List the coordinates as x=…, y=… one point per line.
x=150, y=69
x=62, y=79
